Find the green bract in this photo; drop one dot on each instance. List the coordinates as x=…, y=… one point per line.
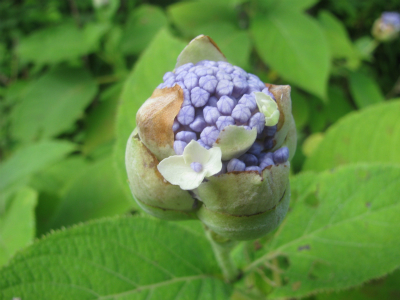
x=237, y=205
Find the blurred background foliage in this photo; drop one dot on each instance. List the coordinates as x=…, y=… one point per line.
x=66, y=79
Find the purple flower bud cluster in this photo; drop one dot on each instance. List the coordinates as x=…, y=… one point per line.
x=216, y=95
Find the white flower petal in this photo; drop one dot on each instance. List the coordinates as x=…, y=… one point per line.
x=172, y=168
x=214, y=164
x=194, y=152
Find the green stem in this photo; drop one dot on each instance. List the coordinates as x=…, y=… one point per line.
x=222, y=248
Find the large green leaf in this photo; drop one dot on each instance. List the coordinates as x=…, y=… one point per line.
x=95, y=193
x=294, y=45
x=142, y=25
x=53, y=103
x=32, y=159
x=370, y=135
x=338, y=39
x=342, y=230
x=365, y=90
x=159, y=58
x=189, y=16
x=17, y=223
x=126, y=258
x=63, y=42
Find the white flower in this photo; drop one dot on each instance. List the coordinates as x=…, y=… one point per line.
x=268, y=107
x=189, y=169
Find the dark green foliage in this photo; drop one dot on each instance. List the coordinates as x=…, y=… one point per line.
x=74, y=73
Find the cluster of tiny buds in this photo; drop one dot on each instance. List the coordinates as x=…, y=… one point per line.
x=217, y=94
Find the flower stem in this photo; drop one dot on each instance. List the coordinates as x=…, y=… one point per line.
x=222, y=248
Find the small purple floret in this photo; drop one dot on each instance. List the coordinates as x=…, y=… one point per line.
x=249, y=159
x=209, y=135
x=179, y=146
x=168, y=75
x=175, y=125
x=197, y=167
x=199, y=97
x=191, y=80
x=225, y=105
x=235, y=165
x=224, y=121
x=211, y=114
x=208, y=83
x=249, y=101
x=186, y=98
x=269, y=144
x=202, y=144
x=266, y=159
x=201, y=71
x=281, y=155
x=186, y=115
x=222, y=75
x=239, y=85
x=170, y=82
x=185, y=136
x=241, y=113
x=270, y=131
x=198, y=124
x=184, y=67
x=181, y=76
x=224, y=87
x=257, y=121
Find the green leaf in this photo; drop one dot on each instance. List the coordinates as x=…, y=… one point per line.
x=294, y=45
x=300, y=108
x=52, y=104
x=293, y=4
x=341, y=231
x=142, y=25
x=159, y=58
x=64, y=42
x=95, y=193
x=338, y=39
x=125, y=258
x=100, y=128
x=383, y=288
x=338, y=105
x=365, y=90
x=189, y=16
x=235, y=44
x=370, y=135
x=54, y=178
x=32, y=159
x=17, y=223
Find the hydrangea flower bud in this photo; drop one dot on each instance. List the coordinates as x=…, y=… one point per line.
x=387, y=27
x=214, y=142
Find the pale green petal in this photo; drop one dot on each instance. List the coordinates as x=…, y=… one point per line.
x=194, y=152
x=200, y=48
x=214, y=164
x=273, y=119
x=268, y=107
x=235, y=141
x=177, y=172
